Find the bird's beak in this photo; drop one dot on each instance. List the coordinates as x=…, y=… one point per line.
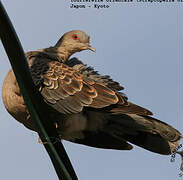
x=88, y=46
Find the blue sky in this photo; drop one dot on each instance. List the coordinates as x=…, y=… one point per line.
x=139, y=45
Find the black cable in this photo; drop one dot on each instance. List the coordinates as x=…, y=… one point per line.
x=34, y=101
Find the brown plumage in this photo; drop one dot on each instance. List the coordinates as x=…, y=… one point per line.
x=86, y=107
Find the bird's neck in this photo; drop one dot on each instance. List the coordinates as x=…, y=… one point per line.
x=62, y=52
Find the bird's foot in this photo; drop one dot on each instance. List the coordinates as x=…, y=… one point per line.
x=52, y=140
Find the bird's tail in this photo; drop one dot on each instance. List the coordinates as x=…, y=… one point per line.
x=144, y=131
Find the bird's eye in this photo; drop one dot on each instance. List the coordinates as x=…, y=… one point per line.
x=75, y=36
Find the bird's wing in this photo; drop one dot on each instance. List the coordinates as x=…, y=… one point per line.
x=68, y=89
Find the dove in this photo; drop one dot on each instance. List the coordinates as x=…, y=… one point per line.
x=86, y=107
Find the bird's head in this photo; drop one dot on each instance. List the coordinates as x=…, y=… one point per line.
x=75, y=41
